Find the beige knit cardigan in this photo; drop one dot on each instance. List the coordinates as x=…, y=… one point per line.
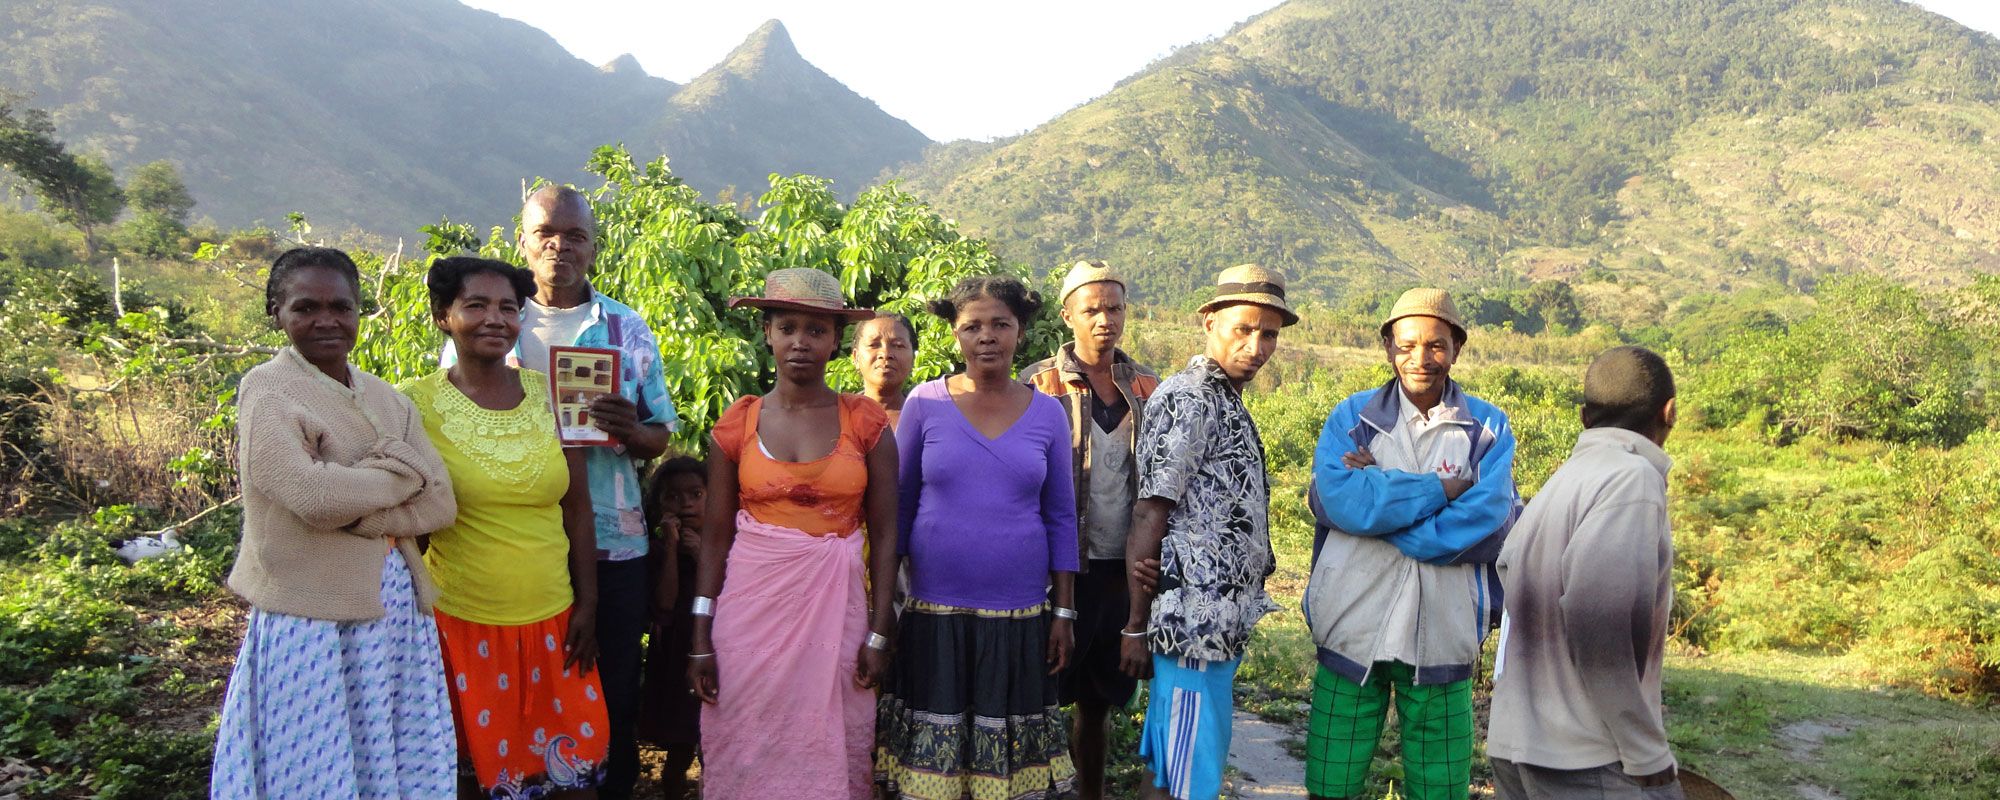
x=330, y=476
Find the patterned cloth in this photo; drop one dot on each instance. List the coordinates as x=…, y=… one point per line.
x=338, y=709
x=527, y=724
x=969, y=710
x=615, y=492
x=1188, y=725
x=1346, y=727
x=1201, y=450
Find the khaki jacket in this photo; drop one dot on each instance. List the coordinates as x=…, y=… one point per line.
x=1061, y=376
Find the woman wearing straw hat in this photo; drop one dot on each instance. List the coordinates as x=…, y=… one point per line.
x=782, y=653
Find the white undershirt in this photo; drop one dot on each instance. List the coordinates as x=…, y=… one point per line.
x=543, y=327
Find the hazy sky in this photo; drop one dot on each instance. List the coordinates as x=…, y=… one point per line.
x=927, y=60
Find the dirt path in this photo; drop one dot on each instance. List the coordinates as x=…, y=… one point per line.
x=1265, y=770
x=1801, y=741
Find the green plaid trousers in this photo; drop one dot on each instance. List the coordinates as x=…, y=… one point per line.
x=1346, y=727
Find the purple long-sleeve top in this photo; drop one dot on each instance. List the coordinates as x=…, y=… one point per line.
x=984, y=521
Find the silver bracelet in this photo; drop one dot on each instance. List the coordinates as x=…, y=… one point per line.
x=1135, y=634
x=1065, y=613
x=703, y=607
x=709, y=654
x=877, y=641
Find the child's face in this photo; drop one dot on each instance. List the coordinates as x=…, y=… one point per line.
x=686, y=496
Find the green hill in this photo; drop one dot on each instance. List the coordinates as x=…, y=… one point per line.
x=386, y=114
x=1639, y=149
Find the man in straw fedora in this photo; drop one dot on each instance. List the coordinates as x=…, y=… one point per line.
x=1413, y=490
x=1589, y=573
x=1202, y=518
x=1104, y=393
x=558, y=242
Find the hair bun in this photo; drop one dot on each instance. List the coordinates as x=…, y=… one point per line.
x=942, y=308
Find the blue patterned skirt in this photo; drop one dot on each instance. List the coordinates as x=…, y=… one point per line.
x=339, y=709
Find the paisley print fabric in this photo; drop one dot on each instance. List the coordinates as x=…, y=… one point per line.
x=1201, y=450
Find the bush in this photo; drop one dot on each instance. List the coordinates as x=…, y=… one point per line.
x=1871, y=363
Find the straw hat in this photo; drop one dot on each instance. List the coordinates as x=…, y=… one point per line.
x=1696, y=787
x=1087, y=272
x=803, y=289
x=1249, y=283
x=1426, y=302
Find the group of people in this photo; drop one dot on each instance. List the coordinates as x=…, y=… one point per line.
x=934, y=592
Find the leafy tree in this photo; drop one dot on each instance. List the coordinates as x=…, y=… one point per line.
x=78, y=190
x=1871, y=362
x=162, y=203
x=1553, y=303
x=678, y=259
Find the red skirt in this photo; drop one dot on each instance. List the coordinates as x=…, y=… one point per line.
x=524, y=720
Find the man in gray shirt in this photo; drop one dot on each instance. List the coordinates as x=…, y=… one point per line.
x=1588, y=571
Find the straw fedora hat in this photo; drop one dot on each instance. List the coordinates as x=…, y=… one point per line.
x=803, y=289
x=1249, y=283
x=1083, y=273
x=1426, y=302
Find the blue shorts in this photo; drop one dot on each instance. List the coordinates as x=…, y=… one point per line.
x=1186, y=738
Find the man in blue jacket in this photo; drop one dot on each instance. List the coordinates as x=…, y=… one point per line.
x=1413, y=490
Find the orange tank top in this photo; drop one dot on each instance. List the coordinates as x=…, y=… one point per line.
x=823, y=497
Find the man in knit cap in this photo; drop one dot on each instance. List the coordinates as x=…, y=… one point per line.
x=1413, y=490
x=1104, y=392
x=1589, y=575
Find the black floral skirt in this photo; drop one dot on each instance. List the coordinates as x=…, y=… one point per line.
x=970, y=709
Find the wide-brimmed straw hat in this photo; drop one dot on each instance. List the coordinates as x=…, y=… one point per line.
x=1426, y=302
x=803, y=289
x=1083, y=273
x=1249, y=283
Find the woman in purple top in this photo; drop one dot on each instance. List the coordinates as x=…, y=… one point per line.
x=988, y=523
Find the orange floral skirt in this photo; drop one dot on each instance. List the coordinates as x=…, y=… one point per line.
x=525, y=722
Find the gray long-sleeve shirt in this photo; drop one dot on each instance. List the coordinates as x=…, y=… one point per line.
x=1588, y=574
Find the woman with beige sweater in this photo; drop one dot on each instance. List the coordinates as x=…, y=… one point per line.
x=339, y=689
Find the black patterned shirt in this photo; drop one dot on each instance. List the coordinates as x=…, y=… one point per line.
x=1200, y=449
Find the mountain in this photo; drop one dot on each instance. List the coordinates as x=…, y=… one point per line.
x=387, y=114
x=764, y=109
x=1638, y=149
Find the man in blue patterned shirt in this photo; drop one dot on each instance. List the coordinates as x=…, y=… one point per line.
x=558, y=240
x=1202, y=513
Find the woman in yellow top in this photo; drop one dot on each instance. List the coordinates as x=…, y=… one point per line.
x=789, y=670
x=516, y=572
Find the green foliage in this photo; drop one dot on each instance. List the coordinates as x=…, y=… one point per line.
x=28, y=239
x=156, y=188
x=678, y=260
x=1543, y=306
x=162, y=204
x=77, y=677
x=78, y=190
x=1870, y=362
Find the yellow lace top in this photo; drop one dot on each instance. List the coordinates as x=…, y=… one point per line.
x=505, y=560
